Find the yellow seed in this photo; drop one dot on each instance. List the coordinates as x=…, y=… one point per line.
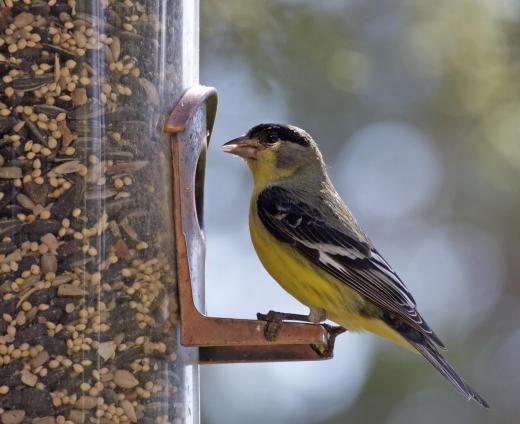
x=52, y=143
x=142, y=245
x=85, y=387
x=53, y=363
x=78, y=368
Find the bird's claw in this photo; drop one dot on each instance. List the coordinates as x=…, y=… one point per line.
x=274, y=320
x=270, y=316
x=271, y=330
x=327, y=350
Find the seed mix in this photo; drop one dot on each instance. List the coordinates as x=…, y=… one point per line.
x=87, y=286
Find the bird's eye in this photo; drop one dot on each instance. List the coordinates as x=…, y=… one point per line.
x=272, y=137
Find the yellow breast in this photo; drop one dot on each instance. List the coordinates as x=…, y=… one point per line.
x=298, y=276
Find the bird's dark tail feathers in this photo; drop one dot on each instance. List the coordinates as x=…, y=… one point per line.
x=430, y=352
x=425, y=345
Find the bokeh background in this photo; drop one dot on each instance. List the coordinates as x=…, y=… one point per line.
x=416, y=107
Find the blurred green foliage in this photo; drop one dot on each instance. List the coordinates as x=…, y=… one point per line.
x=452, y=68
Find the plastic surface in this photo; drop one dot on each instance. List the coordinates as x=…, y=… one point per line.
x=88, y=309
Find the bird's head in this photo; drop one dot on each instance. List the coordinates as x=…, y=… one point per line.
x=276, y=151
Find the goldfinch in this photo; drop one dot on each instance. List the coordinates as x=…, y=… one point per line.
x=311, y=244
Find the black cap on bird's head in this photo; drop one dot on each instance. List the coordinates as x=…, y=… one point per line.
x=265, y=136
x=271, y=133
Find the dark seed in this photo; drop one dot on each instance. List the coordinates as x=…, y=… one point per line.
x=39, y=7
x=32, y=83
x=69, y=248
x=8, y=307
x=6, y=247
x=54, y=345
x=39, y=135
x=36, y=403
x=52, y=314
x=8, y=373
x=9, y=227
x=33, y=332
x=50, y=111
x=63, y=207
x=38, y=193
x=37, y=229
x=89, y=110
x=6, y=123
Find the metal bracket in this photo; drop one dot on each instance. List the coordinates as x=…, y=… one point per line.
x=220, y=339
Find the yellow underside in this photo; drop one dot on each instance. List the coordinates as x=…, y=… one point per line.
x=314, y=287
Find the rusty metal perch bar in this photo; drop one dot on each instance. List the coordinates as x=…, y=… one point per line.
x=219, y=339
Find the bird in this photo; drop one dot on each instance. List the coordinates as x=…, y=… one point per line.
x=312, y=245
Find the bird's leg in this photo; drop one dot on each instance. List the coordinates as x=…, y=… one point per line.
x=317, y=315
x=282, y=316
x=275, y=319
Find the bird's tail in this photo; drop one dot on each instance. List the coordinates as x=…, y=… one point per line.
x=430, y=352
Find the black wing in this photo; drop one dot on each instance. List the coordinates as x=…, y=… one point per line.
x=339, y=252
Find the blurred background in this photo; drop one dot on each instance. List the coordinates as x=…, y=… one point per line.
x=416, y=107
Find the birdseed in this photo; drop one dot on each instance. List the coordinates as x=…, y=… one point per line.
x=88, y=309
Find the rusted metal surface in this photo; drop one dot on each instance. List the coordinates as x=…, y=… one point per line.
x=189, y=103
x=219, y=339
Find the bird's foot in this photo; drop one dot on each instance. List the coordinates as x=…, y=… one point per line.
x=273, y=322
x=333, y=332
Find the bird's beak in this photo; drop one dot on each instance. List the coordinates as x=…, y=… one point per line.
x=242, y=146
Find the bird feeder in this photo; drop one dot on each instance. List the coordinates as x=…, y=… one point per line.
x=220, y=340
x=101, y=240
